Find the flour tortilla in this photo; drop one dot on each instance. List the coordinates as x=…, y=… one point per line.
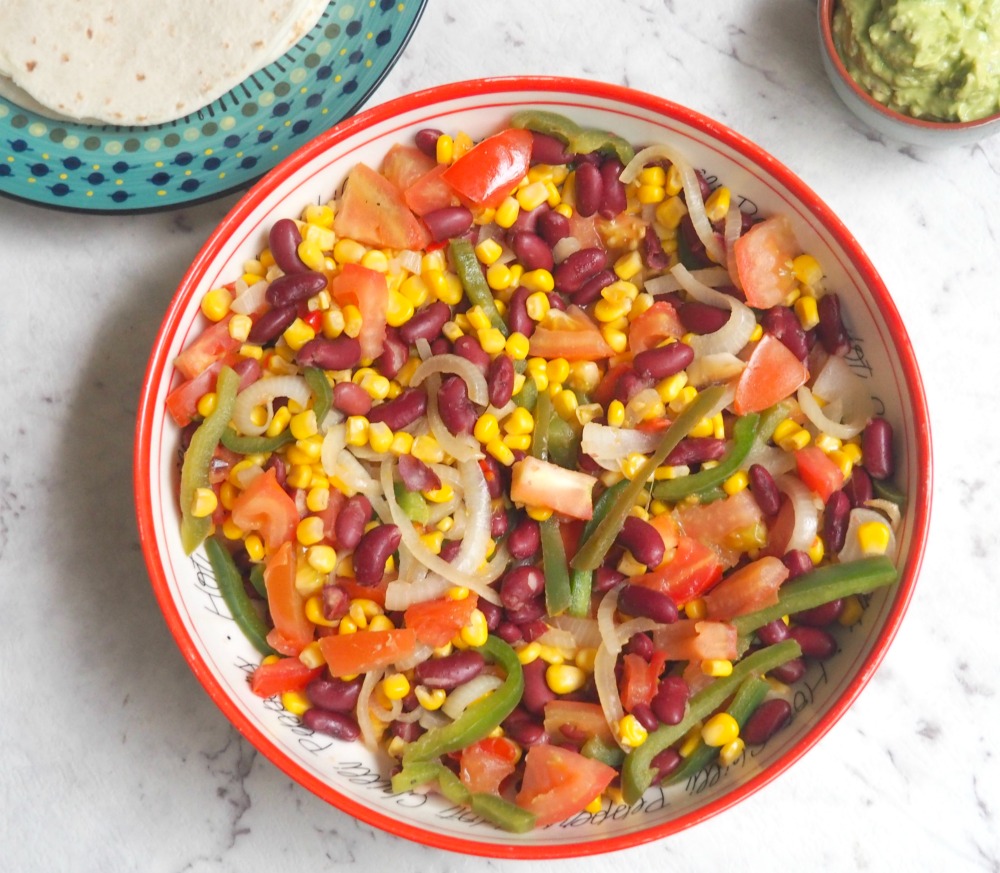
x=140, y=62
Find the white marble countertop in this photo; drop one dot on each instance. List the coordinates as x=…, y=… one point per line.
x=112, y=757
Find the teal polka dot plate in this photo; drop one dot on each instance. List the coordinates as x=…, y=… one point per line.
x=225, y=146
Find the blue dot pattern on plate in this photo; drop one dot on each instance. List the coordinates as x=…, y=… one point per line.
x=224, y=146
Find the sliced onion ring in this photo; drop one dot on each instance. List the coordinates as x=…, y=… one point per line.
x=806, y=512
x=262, y=393
x=735, y=333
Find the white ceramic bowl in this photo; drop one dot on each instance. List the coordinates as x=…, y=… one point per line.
x=896, y=125
x=345, y=774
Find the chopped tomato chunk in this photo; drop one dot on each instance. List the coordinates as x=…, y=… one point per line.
x=693, y=569
x=578, y=718
x=286, y=605
x=772, y=374
x=266, y=507
x=211, y=345
x=571, y=335
x=656, y=324
x=403, y=165
x=819, y=471
x=491, y=169
x=559, y=782
x=277, y=677
x=763, y=261
x=539, y=483
x=437, y=621
x=351, y=654
x=372, y=211
x=366, y=289
x=747, y=589
x=690, y=640
x=485, y=764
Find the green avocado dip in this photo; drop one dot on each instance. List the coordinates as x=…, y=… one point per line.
x=932, y=59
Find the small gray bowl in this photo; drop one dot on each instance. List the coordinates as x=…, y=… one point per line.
x=882, y=119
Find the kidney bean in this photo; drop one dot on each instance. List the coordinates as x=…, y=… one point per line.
x=527, y=220
x=294, y=288
x=769, y=718
x=373, y=551
x=426, y=324
x=447, y=222
x=338, y=725
x=521, y=586
x=556, y=301
x=283, y=240
x=339, y=353
x=450, y=550
x=831, y=329
x=641, y=645
x=468, y=347
x=349, y=526
x=500, y=380
x=509, y=632
x=450, y=671
x=351, y=399
x=405, y=409
x=876, y=449
x=612, y=188
x=835, y=518
x=652, y=251
x=821, y=616
x=532, y=630
x=629, y=384
x=524, y=729
x=552, y=226
x=495, y=474
x=547, y=149
x=663, y=361
x=772, y=632
x=518, y=319
x=589, y=189
x=644, y=715
x=577, y=268
x=665, y=762
x=491, y=612
x=336, y=602
x=498, y=522
x=797, y=562
x=696, y=450
x=416, y=475
x=426, y=140
x=859, y=487
x=407, y=731
x=536, y=690
x=268, y=327
x=784, y=325
x=701, y=318
x=336, y=695
x=605, y=578
x=790, y=672
x=670, y=701
x=525, y=539
x=454, y=406
x=591, y=289
x=395, y=353
x=642, y=540
x=531, y=250
x=639, y=601
x=695, y=247
x=764, y=489
x=815, y=642
x=249, y=370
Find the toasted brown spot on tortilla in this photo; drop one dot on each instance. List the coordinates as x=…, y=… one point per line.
x=90, y=33
x=64, y=58
x=140, y=77
x=31, y=65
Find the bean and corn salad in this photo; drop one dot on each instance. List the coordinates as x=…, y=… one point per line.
x=536, y=465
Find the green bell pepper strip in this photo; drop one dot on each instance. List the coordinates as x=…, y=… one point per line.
x=637, y=774
x=820, y=586
x=600, y=750
x=557, y=586
x=257, y=580
x=242, y=608
x=579, y=140
x=749, y=696
x=563, y=442
x=527, y=397
x=744, y=435
x=540, y=435
x=252, y=445
x=467, y=267
x=593, y=551
x=481, y=717
x=412, y=503
x=492, y=807
x=885, y=490
x=321, y=391
x=581, y=581
x=198, y=458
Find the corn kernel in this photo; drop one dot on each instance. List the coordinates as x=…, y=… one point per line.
x=486, y=428
x=716, y=667
x=357, y=430
x=205, y=502
x=400, y=309
x=873, y=537
x=255, y=547
x=501, y=452
x=207, y=403
x=628, y=265
x=616, y=413
x=439, y=495
x=309, y=531
x=564, y=678
x=565, y=404
x=692, y=741
x=433, y=540
x=295, y=702
x=529, y=652
x=736, y=483
x=380, y=623
x=650, y=194
x=516, y=346
x=617, y=339
x=444, y=149
x=532, y=195
x=851, y=612
x=807, y=312
x=352, y=320
x=476, y=631
x=315, y=614
x=321, y=557
x=304, y=425
x=595, y=806
x=720, y=729
x=395, y=686
x=332, y=322
x=498, y=276
x=380, y=436
x=539, y=281
x=584, y=658
x=807, y=270
x=816, y=550
x=520, y=421
x=488, y=251
x=300, y=475
x=430, y=699
x=731, y=752
x=670, y=212
x=507, y=212
x=311, y=254
x=215, y=304
x=631, y=731
x=375, y=260
x=717, y=204
x=492, y=340
x=426, y=448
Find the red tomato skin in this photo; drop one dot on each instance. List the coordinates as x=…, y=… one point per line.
x=436, y=622
x=288, y=674
x=490, y=170
x=539, y=483
x=559, y=782
x=430, y=192
x=818, y=471
x=211, y=345
x=352, y=654
x=571, y=335
x=372, y=211
x=655, y=325
x=749, y=588
x=762, y=257
x=366, y=289
x=693, y=569
x=266, y=507
x=690, y=640
x=772, y=373
x=403, y=165
x=640, y=678
x=485, y=764
x=284, y=602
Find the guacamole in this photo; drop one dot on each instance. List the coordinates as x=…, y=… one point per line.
x=932, y=59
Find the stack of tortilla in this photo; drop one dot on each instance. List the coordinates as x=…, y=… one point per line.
x=140, y=62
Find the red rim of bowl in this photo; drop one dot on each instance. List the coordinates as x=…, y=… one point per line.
x=826, y=10
x=159, y=365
